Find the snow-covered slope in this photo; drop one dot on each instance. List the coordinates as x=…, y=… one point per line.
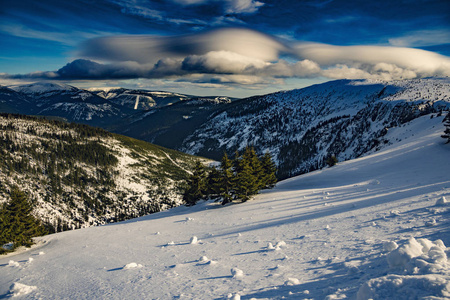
x=374, y=227
x=79, y=176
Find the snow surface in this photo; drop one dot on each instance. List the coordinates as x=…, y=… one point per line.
x=356, y=231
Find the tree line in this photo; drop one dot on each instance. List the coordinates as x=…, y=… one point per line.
x=235, y=179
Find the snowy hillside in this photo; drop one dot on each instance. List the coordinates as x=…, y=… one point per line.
x=376, y=227
x=301, y=128
x=79, y=176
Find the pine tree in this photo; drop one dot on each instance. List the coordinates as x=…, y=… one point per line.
x=246, y=183
x=17, y=224
x=270, y=170
x=255, y=165
x=196, y=185
x=226, y=179
x=237, y=162
x=446, y=134
x=331, y=160
x=213, y=182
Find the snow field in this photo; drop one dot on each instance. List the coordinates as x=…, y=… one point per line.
x=370, y=241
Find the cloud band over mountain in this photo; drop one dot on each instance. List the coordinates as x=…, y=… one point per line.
x=243, y=52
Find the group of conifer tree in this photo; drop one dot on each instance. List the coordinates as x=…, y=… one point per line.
x=236, y=179
x=17, y=225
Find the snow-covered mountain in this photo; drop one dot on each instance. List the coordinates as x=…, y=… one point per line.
x=65, y=101
x=144, y=100
x=139, y=99
x=97, y=106
x=301, y=128
x=80, y=176
x=376, y=227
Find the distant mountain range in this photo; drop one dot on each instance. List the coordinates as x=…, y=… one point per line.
x=300, y=128
x=99, y=107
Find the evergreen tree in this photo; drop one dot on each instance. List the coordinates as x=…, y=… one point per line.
x=331, y=160
x=270, y=170
x=196, y=185
x=226, y=179
x=17, y=224
x=255, y=165
x=246, y=183
x=237, y=162
x=213, y=182
x=446, y=134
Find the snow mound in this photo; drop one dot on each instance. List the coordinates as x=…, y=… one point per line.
x=19, y=289
x=389, y=246
x=234, y=297
x=425, y=266
x=405, y=287
x=441, y=201
x=270, y=246
x=132, y=265
x=237, y=273
x=13, y=263
x=423, y=249
x=281, y=244
x=431, y=223
x=292, y=281
x=194, y=240
x=203, y=259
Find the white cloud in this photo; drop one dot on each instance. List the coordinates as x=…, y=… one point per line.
x=422, y=38
x=421, y=62
x=71, y=37
x=243, y=6
x=222, y=62
x=150, y=49
x=231, y=6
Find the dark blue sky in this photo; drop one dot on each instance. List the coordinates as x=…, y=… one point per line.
x=234, y=47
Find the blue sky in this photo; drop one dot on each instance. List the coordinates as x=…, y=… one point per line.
x=221, y=47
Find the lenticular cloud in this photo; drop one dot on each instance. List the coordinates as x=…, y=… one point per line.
x=150, y=49
x=249, y=54
x=252, y=53
x=373, y=59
